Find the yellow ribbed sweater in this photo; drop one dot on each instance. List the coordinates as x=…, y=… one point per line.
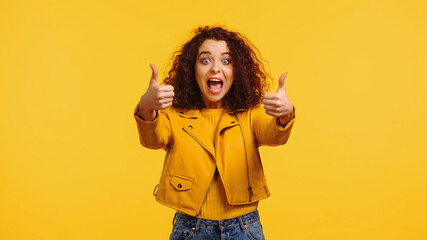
x=215, y=206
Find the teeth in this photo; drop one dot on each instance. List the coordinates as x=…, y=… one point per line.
x=215, y=80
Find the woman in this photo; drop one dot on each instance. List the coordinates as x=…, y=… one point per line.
x=208, y=119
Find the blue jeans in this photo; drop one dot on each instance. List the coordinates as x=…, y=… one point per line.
x=246, y=226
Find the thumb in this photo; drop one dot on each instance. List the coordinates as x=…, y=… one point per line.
x=282, y=82
x=154, y=74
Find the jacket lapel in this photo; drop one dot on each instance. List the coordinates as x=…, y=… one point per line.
x=196, y=128
x=227, y=120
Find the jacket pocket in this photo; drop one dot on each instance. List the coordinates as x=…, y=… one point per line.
x=181, y=183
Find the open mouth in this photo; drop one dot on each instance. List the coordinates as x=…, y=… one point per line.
x=215, y=85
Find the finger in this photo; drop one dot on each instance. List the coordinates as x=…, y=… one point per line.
x=277, y=113
x=272, y=102
x=284, y=108
x=272, y=113
x=165, y=101
x=270, y=96
x=166, y=88
x=161, y=101
x=282, y=82
x=160, y=104
x=161, y=97
x=167, y=95
x=154, y=74
x=166, y=105
x=272, y=108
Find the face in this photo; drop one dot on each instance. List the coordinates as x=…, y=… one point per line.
x=214, y=71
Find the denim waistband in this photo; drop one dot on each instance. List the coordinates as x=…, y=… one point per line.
x=197, y=223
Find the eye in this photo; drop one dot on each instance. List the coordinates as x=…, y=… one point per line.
x=225, y=61
x=205, y=60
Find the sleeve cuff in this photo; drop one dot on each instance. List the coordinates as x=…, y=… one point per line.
x=289, y=123
x=138, y=117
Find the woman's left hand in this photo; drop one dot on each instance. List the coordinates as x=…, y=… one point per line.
x=278, y=104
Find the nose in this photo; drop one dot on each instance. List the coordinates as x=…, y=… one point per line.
x=215, y=67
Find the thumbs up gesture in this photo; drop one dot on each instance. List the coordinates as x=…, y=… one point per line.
x=157, y=97
x=278, y=104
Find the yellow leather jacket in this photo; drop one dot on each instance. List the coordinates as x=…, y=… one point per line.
x=191, y=158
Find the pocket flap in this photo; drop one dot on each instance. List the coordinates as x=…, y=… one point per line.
x=181, y=183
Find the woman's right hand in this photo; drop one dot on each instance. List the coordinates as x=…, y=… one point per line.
x=157, y=97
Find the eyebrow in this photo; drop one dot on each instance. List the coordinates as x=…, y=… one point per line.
x=207, y=52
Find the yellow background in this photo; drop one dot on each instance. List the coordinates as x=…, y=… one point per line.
x=71, y=73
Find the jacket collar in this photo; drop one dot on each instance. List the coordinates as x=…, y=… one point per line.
x=197, y=128
x=195, y=113
x=192, y=113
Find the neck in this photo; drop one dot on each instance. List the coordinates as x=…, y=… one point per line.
x=213, y=104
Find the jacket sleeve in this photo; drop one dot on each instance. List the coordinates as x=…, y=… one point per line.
x=154, y=134
x=267, y=129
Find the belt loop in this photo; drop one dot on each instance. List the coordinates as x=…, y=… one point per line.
x=156, y=189
x=242, y=226
x=196, y=229
x=174, y=219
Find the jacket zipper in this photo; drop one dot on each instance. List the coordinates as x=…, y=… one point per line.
x=251, y=193
x=201, y=144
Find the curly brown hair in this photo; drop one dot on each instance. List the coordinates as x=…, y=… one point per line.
x=249, y=74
